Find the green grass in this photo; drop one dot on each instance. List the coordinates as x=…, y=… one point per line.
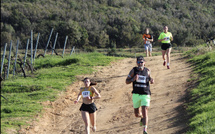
x=201, y=107
x=139, y=51
x=53, y=74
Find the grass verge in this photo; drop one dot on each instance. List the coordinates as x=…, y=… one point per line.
x=201, y=106
x=53, y=74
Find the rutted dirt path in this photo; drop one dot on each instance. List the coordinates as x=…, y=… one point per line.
x=115, y=112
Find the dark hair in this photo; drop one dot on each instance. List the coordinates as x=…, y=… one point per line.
x=140, y=58
x=165, y=26
x=91, y=83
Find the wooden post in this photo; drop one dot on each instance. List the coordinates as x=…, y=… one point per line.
x=48, y=41
x=26, y=51
x=73, y=49
x=64, y=45
x=8, y=67
x=35, y=51
x=54, y=43
x=31, y=47
x=2, y=63
x=17, y=46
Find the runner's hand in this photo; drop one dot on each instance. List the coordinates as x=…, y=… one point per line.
x=76, y=101
x=135, y=77
x=152, y=81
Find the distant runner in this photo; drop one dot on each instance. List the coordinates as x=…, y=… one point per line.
x=88, y=108
x=165, y=38
x=148, y=39
x=140, y=78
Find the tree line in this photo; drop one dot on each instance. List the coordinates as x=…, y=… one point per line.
x=107, y=23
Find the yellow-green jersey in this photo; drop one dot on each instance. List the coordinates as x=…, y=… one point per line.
x=86, y=93
x=167, y=36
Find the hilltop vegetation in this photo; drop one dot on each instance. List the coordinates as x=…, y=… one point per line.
x=106, y=23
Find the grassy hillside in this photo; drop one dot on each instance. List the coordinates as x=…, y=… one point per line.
x=55, y=73
x=52, y=76
x=202, y=98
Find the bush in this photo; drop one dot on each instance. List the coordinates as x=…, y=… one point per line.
x=89, y=48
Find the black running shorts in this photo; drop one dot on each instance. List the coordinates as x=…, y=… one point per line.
x=91, y=108
x=166, y=46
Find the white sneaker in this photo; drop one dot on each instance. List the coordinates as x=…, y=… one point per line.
x=94, y=129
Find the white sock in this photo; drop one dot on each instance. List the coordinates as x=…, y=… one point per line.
x=144, y=128
x=167, y=64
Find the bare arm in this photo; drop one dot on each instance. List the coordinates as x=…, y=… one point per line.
x=151, y=79
x=78, y=98
x=98, y=96
x=147, y=39
x=161, y=40
x=151, y=40
x=131, y=77
x=171, y=38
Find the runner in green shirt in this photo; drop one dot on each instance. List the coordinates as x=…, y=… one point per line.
x=165, y=38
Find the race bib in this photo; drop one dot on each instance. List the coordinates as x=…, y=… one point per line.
x=141, y=79
x=85, y=94
x=166, y=38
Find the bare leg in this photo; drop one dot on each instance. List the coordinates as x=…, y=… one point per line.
x=150, y=50
x=146, y=52
x=146, y=49
x=137, y=112
x=86, y=119
x=93, y=120
x=145, y=117
x=149, y=53
x=163, y=54
x=168, y=55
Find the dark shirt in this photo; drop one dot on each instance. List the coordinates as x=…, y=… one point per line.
x=141, y=86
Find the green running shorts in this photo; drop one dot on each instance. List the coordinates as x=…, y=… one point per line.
x=140, y=100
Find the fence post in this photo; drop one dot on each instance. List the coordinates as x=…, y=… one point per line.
x=17, y=46
x=54, y=43
x=2, y=63
x=31, y=47
x=48, y=41
x=73, y=48
x=8, y=67
x=35, y=51
x=26, y=51
x=64, y=45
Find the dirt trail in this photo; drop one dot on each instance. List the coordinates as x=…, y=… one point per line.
x=115, y=112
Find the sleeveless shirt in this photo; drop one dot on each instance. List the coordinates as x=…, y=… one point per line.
x=141, y=86
x=86, y=93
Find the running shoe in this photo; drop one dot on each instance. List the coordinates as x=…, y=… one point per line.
x=144, y=132
x=94, y=129
x=164, y=63
x=141, y=122
x=168, y=67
